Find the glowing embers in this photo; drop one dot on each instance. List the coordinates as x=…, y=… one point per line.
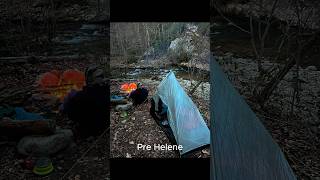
x=59, y=83
x=128, y=87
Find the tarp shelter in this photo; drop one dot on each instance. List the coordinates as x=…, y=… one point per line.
x=242, y=147
x=185, y=120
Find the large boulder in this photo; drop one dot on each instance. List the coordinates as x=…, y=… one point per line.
x=45, y=145
x=182, y=44
x=191, y=46
x=185, y=44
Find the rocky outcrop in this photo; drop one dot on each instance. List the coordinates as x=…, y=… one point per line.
x=194, y=46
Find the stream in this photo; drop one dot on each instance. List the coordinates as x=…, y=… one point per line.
x=154, y=76
x=81, y=39
x=141, y=73
x=69, y=39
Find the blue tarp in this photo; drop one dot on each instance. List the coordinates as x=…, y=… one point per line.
x=184, y=118
x=21, y=114
x=242, y=147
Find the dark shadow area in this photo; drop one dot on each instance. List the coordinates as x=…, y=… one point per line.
x=269, y=51
x=54, y=89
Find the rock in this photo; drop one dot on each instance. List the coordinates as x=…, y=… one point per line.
x=315, y=118
x=77, y=177
x=128, y=155
x=45, y=145
x=228, y=55
x=156, y=78
x=311, y=68
x=125, y=107
x=314, y=129
x=181, y=45
x=6, y=119
x=90, y=139
x=216, y=24
x=312, y=122
x=184, y=47
x=290, y=142
x=204, y=151
x=70, y=150
x=123, y=121
x=218, y=58
x=2, y=86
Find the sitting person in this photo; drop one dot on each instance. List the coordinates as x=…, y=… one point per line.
x=139, y=95
x=89, y=107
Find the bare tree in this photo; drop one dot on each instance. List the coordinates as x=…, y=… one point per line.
x=297, y=43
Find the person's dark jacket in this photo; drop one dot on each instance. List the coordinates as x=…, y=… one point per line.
x=139, y=95
x=89, y=109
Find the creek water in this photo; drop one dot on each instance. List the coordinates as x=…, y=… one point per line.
x=68, y=39
x=148, y=73
x=81, y=39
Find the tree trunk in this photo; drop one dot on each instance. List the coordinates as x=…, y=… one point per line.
x=271, y=85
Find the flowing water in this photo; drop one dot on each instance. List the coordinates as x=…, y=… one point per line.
x=81, y=39
x=69, y=39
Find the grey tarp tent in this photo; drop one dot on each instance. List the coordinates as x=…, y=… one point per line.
x=185, y=120
x=242, y=147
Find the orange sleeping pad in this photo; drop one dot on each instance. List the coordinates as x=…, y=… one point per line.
x=126, y=87
x=60, y=84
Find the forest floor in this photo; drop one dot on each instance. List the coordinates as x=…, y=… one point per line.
x=140, y=127
x=85, y=159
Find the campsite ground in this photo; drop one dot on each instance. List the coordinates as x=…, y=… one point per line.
x=95, y=152
x=95, y=161
x=139, y=126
